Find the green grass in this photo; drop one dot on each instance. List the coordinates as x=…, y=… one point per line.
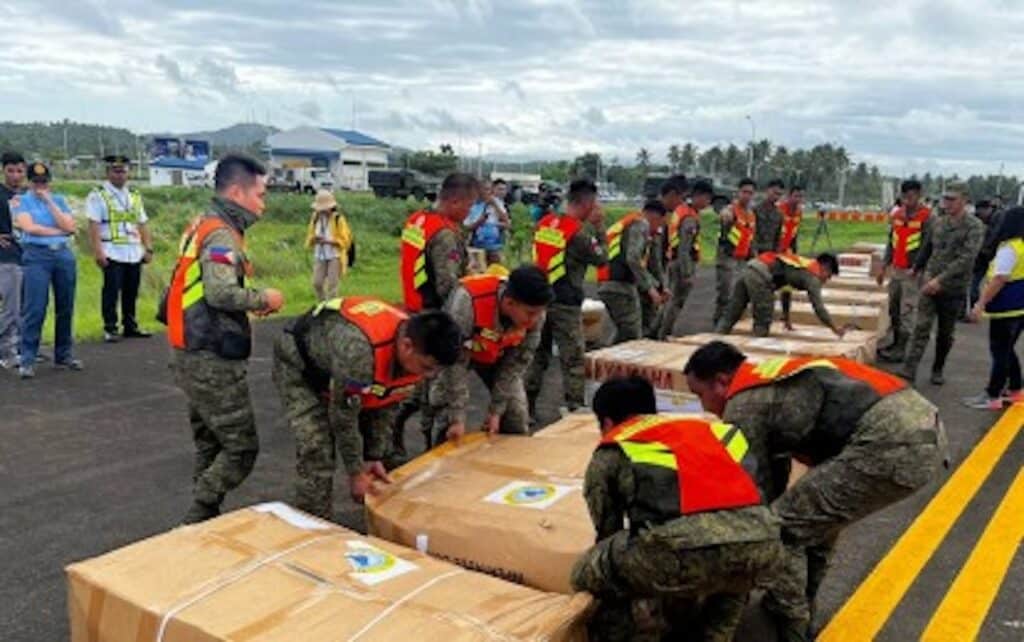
x=276, y=246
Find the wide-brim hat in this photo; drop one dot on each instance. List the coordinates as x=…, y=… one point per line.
x=324, y=200
x=38, y=172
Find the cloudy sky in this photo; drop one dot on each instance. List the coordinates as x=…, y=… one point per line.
x=909, y=84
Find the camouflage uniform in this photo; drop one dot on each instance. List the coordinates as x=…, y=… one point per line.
x=895, y=446
x=681, y=271
x=757, y=285
x=563, y=325
x=330, y=420
x=685, y=579
x=768, y=233
x=904, y=292
x=449, y=392
x=650, y=313
x=726, y=267
x=622, y=298
x=948, y=254
x=219, y=408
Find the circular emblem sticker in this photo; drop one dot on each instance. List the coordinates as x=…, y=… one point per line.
x=525, y=495
x=370, y=561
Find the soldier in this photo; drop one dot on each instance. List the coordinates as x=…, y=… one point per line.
x=735, y=244
x=770, y=272
x=684, y=252
x=627, y=274
x=869, y=438
x=341, y=370
x=433, y=259
x=564, y=247
x=121, y=244
x=650, y=310
x=768, y=235
x=206, y=311
x=909, y=226
x=500, y=320
x=792, y=216
x=693, y=549
x=944, y=265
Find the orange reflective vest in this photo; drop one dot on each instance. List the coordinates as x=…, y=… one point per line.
x=771, y=370
x=791, y=218
x=792, y=260
x=417, y=287
x=617, y=269
x=549, y=242
x=489, y=341
x=741, y=236
x=675, y=223
x=906, y=235
x=191, y=323
x=684, y=465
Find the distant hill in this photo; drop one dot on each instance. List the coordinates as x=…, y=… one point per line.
x=47, y=140
x=237, y=136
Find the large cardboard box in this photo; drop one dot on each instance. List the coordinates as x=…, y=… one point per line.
x=270, y=573
x=858, y=283
x=814, y=333
x=863, y=317
x=848, y=297
x=787, y=346
x=674, y=401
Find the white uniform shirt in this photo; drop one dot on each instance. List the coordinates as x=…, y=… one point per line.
x=1005, y=261
x=96, y=210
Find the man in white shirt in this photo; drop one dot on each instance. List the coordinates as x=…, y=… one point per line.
x=121, y=244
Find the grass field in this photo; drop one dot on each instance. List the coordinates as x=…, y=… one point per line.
x=281, y=260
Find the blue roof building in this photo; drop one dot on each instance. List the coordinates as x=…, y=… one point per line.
x=348, y=154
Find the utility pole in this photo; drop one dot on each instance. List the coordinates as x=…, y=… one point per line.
x=999, y=181
x=750, y=151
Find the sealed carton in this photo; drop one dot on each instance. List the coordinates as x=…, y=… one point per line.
x=814, y=332
x=852, y=282
x=787, y=346
x=862, y=317
x=848, y=297
x=271, y=573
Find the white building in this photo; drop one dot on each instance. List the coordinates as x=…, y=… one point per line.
x=348, y=154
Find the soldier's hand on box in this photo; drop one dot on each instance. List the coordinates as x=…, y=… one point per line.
x=358, y=484
x=377, y=472
x=493, y=424
x=455, y=432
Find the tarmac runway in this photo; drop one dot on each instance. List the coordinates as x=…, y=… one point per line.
x=94, y=460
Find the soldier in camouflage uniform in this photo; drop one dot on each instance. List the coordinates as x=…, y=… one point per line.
x=206, y=310
x=735, y=245
x=628, y=273
x=869, y=439
x=770, y=272
x=768, y=234
x=650, y=310
x=328, y=367
x=692, y=553
x=500, y=320
x=682, y=267
x=577, y=241
x=944, y=265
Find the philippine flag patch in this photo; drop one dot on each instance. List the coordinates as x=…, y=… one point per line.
x=219, y=254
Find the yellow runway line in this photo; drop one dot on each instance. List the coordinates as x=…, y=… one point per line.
x=868, y=609
x=965, y=606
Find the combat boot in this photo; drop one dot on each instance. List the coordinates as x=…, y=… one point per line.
x=896, y=352
x=200, y=512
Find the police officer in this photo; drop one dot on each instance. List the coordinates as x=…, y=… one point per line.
x=870, y=440
x=121, y=244
x=737, y=225
x=206, y=309
x=627, y=274
x=910, y=224
x=768, y=235
x=564, y=246
x=693, y=549
x=341, y=370
x=944, y=266
x=684, y=251
x=501, y=321
x=769, y=272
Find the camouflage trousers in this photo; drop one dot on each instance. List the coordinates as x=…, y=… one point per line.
x=726, y=268
x=899, y=445
x=317, y=429
x=647, y=590
x=650, y=315
x=903, y=295
x=625, y=311
x=563, y=327
x=942, y=310
x=514, y=421
x=679, y=292
x=754, y=287
x=221, y=418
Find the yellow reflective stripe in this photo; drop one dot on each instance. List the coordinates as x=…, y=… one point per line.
x=720, y=429
x=549, y=236
x=641, y=425
x=414, y=236
x=536, y=258
x=556, y=267
x=654, y=454
x=193, y=273
x=419, y=279
x=734, y=235
x=420, y=262
x=737, y=446
x=556, y=274
x=330, y=304
x=192, y=295
x=770, y=368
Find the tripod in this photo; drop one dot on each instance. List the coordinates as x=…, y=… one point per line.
x=822, y=229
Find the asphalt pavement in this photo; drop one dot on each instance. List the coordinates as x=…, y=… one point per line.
x=94, y=460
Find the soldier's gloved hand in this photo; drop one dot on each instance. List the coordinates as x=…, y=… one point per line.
x=455, y=432
x=493, y=424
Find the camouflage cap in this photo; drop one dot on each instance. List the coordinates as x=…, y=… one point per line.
x=957, y=188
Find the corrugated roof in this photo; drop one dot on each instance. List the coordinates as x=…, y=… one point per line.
x=179, y=163
x=299, y=151
x=353, y=137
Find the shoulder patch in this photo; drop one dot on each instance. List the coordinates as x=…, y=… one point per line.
x=223, y=255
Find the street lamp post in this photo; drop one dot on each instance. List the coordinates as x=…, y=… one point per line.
x=750, y=151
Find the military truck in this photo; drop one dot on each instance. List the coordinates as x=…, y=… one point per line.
x=403, y=183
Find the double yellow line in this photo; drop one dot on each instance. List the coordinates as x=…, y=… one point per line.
x=963, y=610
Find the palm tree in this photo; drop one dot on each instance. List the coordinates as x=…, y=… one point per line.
x=674, y=157
x=643, y=159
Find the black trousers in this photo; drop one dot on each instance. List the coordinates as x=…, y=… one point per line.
x=1002, y=335
x=120, y=280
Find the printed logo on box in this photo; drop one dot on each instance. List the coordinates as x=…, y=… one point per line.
x=537, y=495
x=371, y=565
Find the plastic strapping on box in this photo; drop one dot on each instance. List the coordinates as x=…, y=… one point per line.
x=405, y=598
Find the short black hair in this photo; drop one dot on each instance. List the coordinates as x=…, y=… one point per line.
x=713, y=358
x=983, y=203
x=747, y=181
x=435, y=334
x=676, y=183
x=910, y=185
x=11, y=158
x=499, y=181
x=655, y=206
x=237, y=169
x=1012, y=226
x=829, y=260
x=704, y=187
x=795, y=188
x=581, y=189
x=529, y=285
x=776, y=182
x=620, y=398
x=459, y=184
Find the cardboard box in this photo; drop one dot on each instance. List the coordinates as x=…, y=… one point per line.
x=271, y=573
x=864, y=317
x=594, y=314
x=858, y=283
x=814, y=333
x=787, y=346
x=848, y=297
x=673, y=401
x=855, y=263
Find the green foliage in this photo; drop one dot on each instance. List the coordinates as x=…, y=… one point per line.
x=46, y=140
x=431, y=162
